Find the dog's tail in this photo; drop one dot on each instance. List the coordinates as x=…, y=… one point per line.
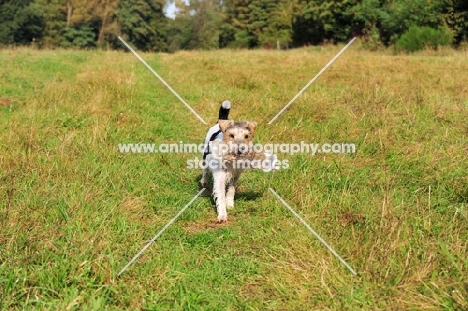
x=224, y=110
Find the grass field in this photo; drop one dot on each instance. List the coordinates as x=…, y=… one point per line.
x=74, y=210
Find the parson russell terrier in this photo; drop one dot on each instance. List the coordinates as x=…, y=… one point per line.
x=227, y=153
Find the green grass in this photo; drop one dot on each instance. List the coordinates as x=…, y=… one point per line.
x=74, y=211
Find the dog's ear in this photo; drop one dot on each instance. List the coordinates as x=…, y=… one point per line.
x=224, y=124
x=251, y=126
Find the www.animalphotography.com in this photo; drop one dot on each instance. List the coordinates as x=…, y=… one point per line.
x=285, y=155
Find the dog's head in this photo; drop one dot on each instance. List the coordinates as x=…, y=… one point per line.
x=238, y=133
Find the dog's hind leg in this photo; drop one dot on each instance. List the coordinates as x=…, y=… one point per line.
x=204, y=179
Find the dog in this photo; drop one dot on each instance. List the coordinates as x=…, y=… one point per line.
x=238, y=136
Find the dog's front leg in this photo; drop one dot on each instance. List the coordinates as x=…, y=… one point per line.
x=219, y=194
x=231, y=190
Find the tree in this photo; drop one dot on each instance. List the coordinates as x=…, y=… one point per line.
x=206, y=24
x=179, y=33
x=104, y=11
x=81, y=30
x=455, y=14
x=22, y=21
x=143, y=23
x=212, y=24
x=260, y=13
x=324, y=20
x=252, y=23
x=399, y=15
x=79, y=12
x=197, y=25
x=279, y=26
x=54, y=17
x=235, y=30
x=366, y=21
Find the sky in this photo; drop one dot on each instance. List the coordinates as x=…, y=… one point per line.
x=170, y=9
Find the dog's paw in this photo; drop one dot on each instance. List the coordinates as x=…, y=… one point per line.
x=203, y=182
x=222, y=218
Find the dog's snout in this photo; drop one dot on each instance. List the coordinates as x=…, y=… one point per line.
x=241, y=148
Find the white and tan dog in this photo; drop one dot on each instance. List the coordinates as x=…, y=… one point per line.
x=224, y=164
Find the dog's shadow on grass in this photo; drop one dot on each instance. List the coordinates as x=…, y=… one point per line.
x=241, y=193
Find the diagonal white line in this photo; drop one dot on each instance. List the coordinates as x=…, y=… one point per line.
x=162, y=80
x=313, y=231
x=159, y=233
x=311, y=81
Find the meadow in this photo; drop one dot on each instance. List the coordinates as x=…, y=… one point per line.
x=74, y=210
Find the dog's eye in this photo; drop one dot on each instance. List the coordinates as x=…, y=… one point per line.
x=231, y=135
x=246, y=136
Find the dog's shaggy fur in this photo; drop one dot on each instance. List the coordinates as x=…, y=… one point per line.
x=225, y=173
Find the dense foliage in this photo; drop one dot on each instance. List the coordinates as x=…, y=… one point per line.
x=212, y=24
x=418, y=38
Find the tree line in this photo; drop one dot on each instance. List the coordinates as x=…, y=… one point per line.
x=213, y=24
